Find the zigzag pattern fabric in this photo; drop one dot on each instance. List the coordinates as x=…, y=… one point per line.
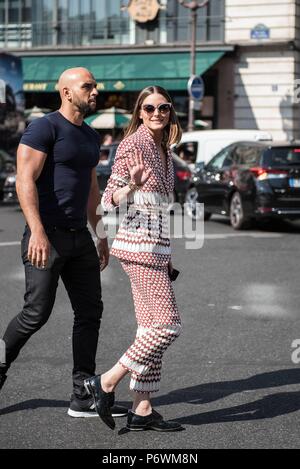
x=143, y=235
x=158, y=321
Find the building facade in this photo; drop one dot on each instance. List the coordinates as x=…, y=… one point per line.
x=266, y=36
x=247, y=53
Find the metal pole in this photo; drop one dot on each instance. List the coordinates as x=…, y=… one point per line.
x=193, y=67
x=193, y=6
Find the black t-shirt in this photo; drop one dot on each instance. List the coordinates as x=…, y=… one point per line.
x=64, y=183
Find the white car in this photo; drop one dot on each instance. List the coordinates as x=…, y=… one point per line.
x=202, y=145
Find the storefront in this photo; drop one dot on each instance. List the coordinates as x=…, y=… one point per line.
x=121, y=77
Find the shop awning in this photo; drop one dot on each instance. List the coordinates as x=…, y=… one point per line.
x=118, y=72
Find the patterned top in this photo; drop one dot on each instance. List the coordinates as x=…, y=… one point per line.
x=143, y=235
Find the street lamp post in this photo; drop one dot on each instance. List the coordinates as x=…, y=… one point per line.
x=193, y=6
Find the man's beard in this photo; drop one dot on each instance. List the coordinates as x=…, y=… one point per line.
x=84, y=108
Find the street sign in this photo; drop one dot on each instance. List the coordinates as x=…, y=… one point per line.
x=260, y=31
x=196, y=87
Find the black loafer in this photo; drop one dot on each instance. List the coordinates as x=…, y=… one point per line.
x=154, y=421
x=103, y=400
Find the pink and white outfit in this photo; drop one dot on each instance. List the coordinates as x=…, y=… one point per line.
x=142, y=245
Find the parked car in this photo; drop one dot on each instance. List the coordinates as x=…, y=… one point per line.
x=7, y=168
x=251, y=180
x=9, y=189
x=202, y=145
x=183, y=173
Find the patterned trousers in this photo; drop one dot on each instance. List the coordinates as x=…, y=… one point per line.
x=158, y=324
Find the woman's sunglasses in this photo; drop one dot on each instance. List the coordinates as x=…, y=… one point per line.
x=163, y=108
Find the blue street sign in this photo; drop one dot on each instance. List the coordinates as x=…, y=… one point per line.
x=196, y=87
x=260, y=31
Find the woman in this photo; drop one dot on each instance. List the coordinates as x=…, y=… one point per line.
x=143, y=178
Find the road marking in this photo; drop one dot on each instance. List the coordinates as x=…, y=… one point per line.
x=233, y=235
x=10, y=243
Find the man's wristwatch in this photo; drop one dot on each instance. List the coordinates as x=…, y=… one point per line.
x=133, y=186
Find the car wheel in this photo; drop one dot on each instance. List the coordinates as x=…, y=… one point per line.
x=193, y=209
x=237, y=215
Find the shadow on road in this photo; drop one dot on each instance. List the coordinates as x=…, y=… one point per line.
x=268, y=407
x=34, y=404
x=210, y=392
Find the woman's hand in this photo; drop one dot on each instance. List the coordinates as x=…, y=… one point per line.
x=135, y=165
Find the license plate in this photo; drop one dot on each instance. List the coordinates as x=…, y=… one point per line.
x=295, y=183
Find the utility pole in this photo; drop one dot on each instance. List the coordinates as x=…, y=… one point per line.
x=193, y=6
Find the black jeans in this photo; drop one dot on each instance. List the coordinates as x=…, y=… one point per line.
x=74, y=258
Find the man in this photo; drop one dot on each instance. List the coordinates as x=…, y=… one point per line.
x=58, y=192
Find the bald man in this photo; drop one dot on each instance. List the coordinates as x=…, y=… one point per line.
x=58, y=193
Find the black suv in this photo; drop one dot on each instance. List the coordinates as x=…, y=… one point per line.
x=251, y=180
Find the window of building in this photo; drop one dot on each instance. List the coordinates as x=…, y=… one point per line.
x=210, y=22
x=2, y=12
x=15, y=23
x=40, y=23
x=14, y=11
x=43, y=28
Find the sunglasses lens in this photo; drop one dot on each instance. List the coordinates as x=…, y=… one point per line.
x=164, y=108
x=149, y=108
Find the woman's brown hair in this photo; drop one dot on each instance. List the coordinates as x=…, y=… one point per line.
x=172, y=132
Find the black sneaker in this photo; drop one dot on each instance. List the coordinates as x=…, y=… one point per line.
x=86, y=408
x=2, y=380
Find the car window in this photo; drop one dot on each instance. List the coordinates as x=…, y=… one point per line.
x=282, y=156
x=187, y=151
x=217, y=162
x=246, y=155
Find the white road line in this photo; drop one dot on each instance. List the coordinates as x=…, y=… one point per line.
x=234, y=235
x=11, y=243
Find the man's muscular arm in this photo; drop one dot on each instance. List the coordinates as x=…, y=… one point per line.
x=30, y=163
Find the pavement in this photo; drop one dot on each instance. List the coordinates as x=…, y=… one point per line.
x=232, y=378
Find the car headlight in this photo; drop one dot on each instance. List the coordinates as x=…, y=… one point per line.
x=10, y=180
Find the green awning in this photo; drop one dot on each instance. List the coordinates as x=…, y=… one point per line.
x=123, y=72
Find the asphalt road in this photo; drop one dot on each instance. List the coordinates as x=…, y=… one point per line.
x=230, y=378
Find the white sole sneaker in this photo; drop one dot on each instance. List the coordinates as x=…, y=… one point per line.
x=92, y=413
x=86, y=414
